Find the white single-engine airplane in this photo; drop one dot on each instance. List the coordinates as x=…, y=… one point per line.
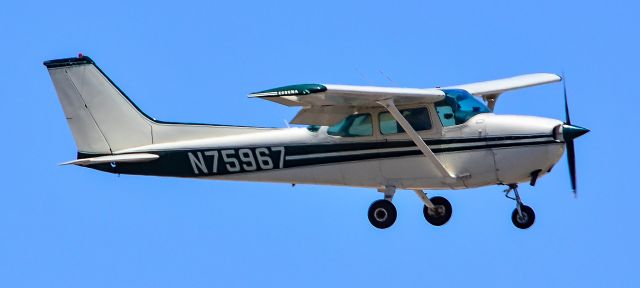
x=364, y=136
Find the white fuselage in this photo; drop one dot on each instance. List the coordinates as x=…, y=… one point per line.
x=488, y=149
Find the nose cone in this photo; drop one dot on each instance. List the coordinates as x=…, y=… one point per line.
x=570, y=132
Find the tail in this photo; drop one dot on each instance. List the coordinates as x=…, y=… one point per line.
x=101, y=117
x=103, y=120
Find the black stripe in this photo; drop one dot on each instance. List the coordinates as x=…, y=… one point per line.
x=176, y=162
x=296, y=150
x=304, y=149
x=381, y=155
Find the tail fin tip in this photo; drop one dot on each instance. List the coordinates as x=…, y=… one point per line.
x=65, y=62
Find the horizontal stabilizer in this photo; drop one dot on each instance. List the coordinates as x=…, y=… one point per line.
x=124, y=158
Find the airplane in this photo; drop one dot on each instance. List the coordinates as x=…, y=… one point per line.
x=383, y=138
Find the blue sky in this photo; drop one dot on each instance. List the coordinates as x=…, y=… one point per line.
x=196, y=61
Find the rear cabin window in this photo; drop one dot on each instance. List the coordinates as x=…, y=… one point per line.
x=356, y=125
x=418, y=118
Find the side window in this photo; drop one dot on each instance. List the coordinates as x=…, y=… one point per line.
x=353, y=126
x=445, y=113
x=418, y=118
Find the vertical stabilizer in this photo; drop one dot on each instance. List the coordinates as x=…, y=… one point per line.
x=102, y=119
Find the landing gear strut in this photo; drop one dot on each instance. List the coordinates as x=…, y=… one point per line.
x=523, y=216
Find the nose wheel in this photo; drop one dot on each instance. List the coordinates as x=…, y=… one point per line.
x=523, y=216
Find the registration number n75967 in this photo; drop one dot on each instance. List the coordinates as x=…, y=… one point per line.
x=237, y=160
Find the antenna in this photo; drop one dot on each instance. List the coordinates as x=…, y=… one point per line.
x=362, y=75
x=388, y=78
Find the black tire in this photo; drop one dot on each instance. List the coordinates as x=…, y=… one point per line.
x=382, y=214
x=441, y=214
x=528, y=217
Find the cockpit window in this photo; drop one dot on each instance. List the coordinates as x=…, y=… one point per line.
x=458, y=106
x=418, y=118
x=355, y=125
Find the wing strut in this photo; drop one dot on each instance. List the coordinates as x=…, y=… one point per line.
x=388, y=103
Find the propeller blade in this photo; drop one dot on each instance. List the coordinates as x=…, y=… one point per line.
x=569, y=133
x=571, y=159
x=566, y=102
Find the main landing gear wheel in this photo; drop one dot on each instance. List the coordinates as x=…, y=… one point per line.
x=382, y=214
x=440, y=213
x=525, y=218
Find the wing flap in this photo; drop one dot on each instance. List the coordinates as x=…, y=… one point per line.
x=322, y=115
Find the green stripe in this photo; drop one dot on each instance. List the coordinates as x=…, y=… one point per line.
x=291, y=90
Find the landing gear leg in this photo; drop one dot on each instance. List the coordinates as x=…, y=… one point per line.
x=382, y=213
x=523, y=216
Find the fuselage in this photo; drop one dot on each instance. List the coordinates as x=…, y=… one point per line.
x=463, y=144
x=487, y=149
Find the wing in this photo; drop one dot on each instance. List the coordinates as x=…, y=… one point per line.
x=490, y=90
x=328, y=104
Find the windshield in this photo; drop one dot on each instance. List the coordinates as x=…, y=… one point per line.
x=458, y=106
